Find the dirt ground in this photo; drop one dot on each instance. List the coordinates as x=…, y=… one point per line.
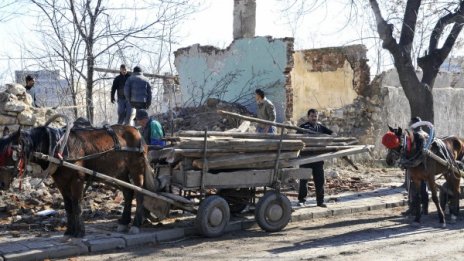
x=21, y=212
x=375, y=235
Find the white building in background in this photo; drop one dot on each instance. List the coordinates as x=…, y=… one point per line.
x=50, y=90
x=453, y=64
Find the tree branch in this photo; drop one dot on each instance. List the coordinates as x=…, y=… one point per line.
x=385, y=30
x=409, y=24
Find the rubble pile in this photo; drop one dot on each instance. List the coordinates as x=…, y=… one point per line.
x=205, y=116
x=16, y=109
x=40, y=208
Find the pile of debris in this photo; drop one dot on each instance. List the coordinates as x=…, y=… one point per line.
x=39, y=206
x=16, y=109
x=202, y=117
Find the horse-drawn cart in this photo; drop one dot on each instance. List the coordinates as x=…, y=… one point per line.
x=213, y=194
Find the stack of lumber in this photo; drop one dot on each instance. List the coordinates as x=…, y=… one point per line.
x=236, y=150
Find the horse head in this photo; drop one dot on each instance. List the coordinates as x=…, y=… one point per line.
x=8, y=159
x=392, y=141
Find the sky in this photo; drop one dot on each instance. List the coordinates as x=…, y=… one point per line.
x=212, y=25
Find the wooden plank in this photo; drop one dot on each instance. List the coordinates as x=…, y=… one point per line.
x=241, y=145
x=190, y=133
x=242, y=160
x=113, y=181
x=150, y=75
x=331, y=155
x=248, y=118
x=235, y=179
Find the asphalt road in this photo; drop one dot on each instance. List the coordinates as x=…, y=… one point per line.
x=374, y=235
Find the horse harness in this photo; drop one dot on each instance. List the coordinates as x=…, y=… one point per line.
x=109, y=130
x=413, y=156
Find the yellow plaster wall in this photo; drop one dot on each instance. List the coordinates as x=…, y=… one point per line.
x=320, y=90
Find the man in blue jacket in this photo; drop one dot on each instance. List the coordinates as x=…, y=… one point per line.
x=138, y=90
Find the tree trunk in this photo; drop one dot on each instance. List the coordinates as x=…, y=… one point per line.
x=89, y=88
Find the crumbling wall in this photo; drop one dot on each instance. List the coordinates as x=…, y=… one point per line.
x=233, y=74
x=385, y=103
x=16, y=109
x=328, y=78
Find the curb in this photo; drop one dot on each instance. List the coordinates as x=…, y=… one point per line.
x=23, y=251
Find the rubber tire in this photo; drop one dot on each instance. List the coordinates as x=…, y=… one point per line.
x=202, y=222
x=269, y=199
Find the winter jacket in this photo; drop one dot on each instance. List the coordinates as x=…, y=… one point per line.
x=118, y=86
x=138, y=90
x=266, y=111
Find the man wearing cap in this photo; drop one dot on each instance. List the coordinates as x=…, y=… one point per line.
x=152, y=131
x=137, y=90
x=124, y=107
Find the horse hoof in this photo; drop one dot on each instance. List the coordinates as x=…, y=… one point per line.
x=134, y=230
x=453, y=219
x=416, y=224
x=443, y=225
x=121, y=228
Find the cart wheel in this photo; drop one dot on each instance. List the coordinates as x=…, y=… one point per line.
x=213, y=216
x=273, y=211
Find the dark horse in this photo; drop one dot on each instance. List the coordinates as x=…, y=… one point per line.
x=116, y=151
x=407, y=149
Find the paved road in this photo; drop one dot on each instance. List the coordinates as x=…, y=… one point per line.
x=374, y=235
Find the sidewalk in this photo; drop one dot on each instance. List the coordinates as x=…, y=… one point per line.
x=39, y=248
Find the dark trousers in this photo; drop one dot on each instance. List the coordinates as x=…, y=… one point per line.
x=319, y=181
x=124, y=111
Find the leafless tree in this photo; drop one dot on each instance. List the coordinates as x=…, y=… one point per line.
x=449, y=20
x=93, y=32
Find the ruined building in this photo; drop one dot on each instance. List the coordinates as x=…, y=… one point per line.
x=334, y=80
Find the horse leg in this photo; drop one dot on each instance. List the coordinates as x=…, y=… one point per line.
x=416, y=200
x=433, y=189
x=77, y=194
x=125, y=219
x=139, y=211
x=454, y=204
x=69, y=216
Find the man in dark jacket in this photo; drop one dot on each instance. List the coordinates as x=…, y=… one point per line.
x=317, y=167
x=138, y=90
x=124, y=107
x=30, y=81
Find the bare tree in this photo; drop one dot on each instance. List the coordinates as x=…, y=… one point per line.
x=91, y=32
x=419, y=91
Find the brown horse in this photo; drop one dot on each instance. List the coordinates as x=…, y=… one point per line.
x=408, y=151
x=117, y=151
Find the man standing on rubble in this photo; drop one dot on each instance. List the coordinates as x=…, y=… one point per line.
x=266, y=111
x=30, y=81
x=317, y=167
x=137, y=90
x=124, y=106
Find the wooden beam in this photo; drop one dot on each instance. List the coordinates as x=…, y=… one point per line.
x=252, y=135
x=241, y=145
x=113, y=181
x=242, y=161
x=248, y=118
x=331, y=155
x=150, y=75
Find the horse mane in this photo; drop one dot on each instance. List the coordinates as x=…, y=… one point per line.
x=33, y=140
x=7, y=141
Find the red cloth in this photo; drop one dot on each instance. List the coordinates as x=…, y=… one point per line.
x=390, y=140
